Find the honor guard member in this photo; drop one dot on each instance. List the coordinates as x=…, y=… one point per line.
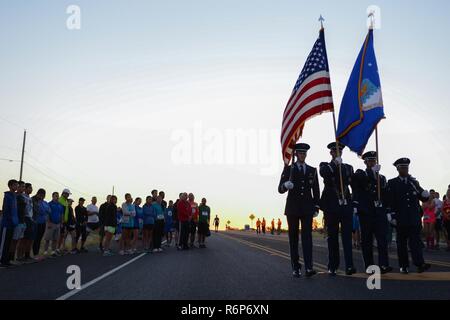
x=337, y=208
x=371, y=211
x=302, y=205
x=404, y=194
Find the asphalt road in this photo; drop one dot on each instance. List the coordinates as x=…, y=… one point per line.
x=235, y=266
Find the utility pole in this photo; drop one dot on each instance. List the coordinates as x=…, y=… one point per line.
x=113, y=191
x=23, y=153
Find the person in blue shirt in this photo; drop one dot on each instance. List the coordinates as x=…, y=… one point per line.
x=148, y=216
x=128, y=215
x=137, y=227
x=53, y=229
x=41, y=210
x=168, y=223
x=9, y=221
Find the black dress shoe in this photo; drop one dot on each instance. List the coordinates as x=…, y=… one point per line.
x=310, y=273
x=332, y=272
x=404, y=270
x=350, y=271
x=423, y=268
x=296, y=273
x=385, y=270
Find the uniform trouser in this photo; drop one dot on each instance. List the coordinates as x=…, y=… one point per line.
x=409, y=235
x=6, y=235
x=184, y=233
x=293, y=224
x=342, y=216
x=374, y=226
x=40, y=231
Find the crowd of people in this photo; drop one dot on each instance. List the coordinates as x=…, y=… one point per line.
x=262, y=228
x=30, y=225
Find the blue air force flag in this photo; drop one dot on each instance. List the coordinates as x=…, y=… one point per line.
x=362, y=104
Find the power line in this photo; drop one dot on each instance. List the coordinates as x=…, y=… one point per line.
x=53, y=172
x=9, y=160
x=55, y=181
x=11, y=122
x=42, y=143
x=55, y=153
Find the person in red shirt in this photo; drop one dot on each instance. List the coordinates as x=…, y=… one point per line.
x=194, y=219
x=279, y=226
x=184, y=215
x=272, y=227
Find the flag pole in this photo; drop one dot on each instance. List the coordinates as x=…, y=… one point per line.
x=372, y=23
x=291, y=174
x=378, y=162
x=338, y=153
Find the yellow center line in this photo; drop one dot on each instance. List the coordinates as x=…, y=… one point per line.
x=433, y=262
x=275, y=252
x=428, y=276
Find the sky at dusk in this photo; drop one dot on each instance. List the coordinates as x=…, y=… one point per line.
x=189, y=95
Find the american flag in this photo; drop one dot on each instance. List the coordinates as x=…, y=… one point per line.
x=311, y=97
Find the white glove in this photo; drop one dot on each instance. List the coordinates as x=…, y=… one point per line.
x=425, y=194
x=390, y=220
x=355, y=210
x=338, y=160
x=289, y=185
x=376, y=168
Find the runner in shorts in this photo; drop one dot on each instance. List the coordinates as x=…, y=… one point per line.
x=176, y=222
x=81, y=216
x=93, y=221
x=26, y=243
x=19, y=230
x=149, y=216
x=101, y=214
x=168, y=223
x=203, y=222
x=68, y=228
x=52, y=231
x=137, y=224
x=110, y=224
x=194, y=219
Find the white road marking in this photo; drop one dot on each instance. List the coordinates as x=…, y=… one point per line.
x=103, y=276
x=90, y=283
